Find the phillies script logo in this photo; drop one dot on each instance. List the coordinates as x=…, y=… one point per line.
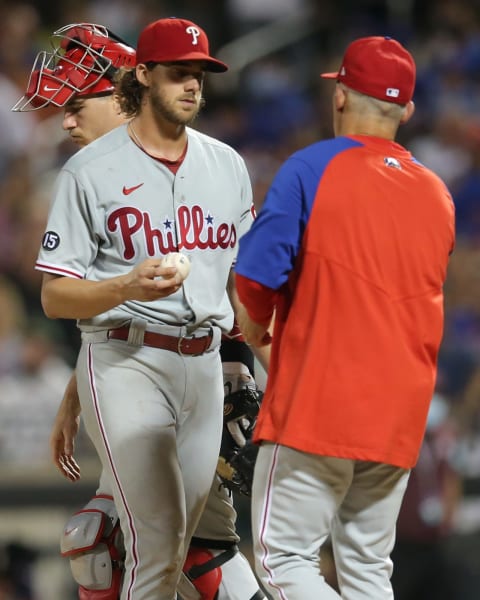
x=194, y=230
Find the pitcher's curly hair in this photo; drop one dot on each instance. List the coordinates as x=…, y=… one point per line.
x=129, y=90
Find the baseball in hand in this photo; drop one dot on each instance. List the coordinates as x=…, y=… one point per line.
x=179, y=260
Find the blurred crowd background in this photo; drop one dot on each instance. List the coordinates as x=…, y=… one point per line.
x=269, y=104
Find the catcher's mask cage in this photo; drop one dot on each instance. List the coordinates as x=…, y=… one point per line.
x=84, y=61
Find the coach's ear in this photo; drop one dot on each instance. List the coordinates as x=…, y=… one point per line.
x=339, y=97
x=408, y=113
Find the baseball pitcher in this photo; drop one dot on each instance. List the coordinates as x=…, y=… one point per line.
x=78, y=73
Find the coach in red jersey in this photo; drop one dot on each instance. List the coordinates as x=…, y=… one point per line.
x=350, y=253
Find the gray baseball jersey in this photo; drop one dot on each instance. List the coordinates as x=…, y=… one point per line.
x=154, y=416
x=115, y=206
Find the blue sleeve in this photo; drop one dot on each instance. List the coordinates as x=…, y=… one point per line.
x=267, y=252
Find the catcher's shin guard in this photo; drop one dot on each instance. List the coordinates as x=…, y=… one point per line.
x=217, y=570
x=203, y=568
x=93, y=542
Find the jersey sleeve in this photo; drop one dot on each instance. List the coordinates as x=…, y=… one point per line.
x=259, y=300
x=268, y=250
x=69, y=244
x=247, y=207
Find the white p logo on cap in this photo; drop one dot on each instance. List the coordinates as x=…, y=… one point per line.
x=193, y=31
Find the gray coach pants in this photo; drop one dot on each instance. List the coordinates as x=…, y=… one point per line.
x=299, y=499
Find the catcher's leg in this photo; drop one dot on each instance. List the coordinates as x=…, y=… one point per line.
x=238, y=581
x=93, y=542
x=219, y=572
x=216, y=569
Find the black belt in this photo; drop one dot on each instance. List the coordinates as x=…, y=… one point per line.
x=192, y=346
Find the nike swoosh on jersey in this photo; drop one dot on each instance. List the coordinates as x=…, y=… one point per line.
x=50, y=89
x=129, y=190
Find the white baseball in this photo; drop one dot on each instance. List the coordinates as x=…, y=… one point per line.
x=179, y=260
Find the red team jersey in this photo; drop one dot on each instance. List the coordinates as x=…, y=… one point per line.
x=354, y=238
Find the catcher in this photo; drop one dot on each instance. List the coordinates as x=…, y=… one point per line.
x=79, y=75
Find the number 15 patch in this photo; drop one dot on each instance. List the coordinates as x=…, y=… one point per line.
x=50, y=240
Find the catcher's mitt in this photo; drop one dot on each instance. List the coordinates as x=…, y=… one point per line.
x=237, y=452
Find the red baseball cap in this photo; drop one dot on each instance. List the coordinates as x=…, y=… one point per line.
x=173, y=40
x=380, y=67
